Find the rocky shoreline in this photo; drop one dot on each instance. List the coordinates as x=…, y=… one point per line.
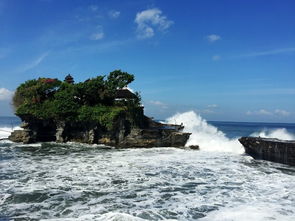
x=152, y=133
x=280, y=151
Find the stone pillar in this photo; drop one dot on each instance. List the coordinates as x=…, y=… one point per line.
x=60, y=128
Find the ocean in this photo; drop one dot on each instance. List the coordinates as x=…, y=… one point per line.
x=74, y=181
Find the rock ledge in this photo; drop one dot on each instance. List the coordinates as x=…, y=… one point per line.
x=280, y=151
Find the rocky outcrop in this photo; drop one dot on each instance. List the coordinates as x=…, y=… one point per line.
x=124, y=135
x=280, y=151
x=155, y=137
x=24, y=136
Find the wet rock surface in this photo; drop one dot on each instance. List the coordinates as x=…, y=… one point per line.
x=280, y=151
x=152, y=134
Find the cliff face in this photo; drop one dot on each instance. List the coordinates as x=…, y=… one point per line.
x=275, y=150
x=123, y=135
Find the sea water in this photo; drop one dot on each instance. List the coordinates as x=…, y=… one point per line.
x=91, y=182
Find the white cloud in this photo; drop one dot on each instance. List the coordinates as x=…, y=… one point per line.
x=99, y=34
x=93, y=8
x=5, y=94
x=212, y=106
x=216, y=58
x=150, y=20
x=269, y=52
x=34, y=63
x=277, y=112
x=282, y=112
x=114, y=14
x=259, y=112
x=213, y=38
x=156, y=102
x=207, y=111
x=159, y=104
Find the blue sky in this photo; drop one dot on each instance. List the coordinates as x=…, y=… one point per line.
x=230, y=60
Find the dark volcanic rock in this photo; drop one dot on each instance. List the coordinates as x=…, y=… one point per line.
x=152, y=133
x=280, y=151
x=154, y=138
x=194, y=147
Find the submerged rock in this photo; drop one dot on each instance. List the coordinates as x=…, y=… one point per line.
x=194, y=147
x=280, y=151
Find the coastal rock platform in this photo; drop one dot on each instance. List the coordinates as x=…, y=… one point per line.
x=280, y=151
x=154, y=134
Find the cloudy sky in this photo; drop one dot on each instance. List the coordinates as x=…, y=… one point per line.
x=230, y=60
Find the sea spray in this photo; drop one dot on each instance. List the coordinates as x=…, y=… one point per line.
x=280, y=133
x=6, y=131
x=208, y=137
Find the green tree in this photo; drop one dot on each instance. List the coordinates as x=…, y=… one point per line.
x=92, y=100
x=118, y=79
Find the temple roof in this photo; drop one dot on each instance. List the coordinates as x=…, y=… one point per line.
x=69, y=79
x=125, y=94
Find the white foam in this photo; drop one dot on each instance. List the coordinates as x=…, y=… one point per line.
x=6, y=131
x=280, y=133
x=208, y=137
x=111, y=216
x=154, y=184
x=257, y=212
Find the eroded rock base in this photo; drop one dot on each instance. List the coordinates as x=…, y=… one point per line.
x=280, y=151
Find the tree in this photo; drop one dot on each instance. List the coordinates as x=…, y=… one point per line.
x=92, y=100
x=118, y=79
x=35, y=91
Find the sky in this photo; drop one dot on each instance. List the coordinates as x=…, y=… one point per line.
x=228, y=60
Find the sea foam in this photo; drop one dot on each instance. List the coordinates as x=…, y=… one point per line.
x=6, y=131
x=280, y=133
x=208, y=137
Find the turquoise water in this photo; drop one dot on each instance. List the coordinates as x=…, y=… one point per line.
x=89, y=182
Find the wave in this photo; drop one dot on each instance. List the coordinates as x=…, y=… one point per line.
x=258, y=212
x=6, y=131
x=280, y=133
x=110, y=216
x=208, y=137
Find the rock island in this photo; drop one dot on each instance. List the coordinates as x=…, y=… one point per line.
x=101, y=110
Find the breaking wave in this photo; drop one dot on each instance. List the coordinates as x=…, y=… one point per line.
x=280, y=133
x=6, y=131
x=72, y=181
x=208, y=137
x=111, y=216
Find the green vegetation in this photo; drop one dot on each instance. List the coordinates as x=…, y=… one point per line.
x=91, y=101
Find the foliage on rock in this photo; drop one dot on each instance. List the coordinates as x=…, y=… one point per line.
x=89, y=101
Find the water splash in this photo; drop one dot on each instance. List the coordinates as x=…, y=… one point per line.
x=280, y=133
x=6, y=131
x=208, y=137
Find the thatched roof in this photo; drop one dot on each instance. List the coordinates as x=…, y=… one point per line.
x=125, y=94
